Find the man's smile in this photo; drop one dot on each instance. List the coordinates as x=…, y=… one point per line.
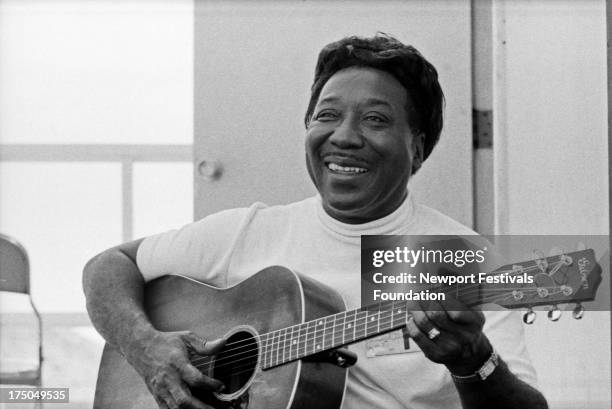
x=343, y=164
x=334, y=167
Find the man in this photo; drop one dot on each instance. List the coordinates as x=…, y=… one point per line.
x=375, y=115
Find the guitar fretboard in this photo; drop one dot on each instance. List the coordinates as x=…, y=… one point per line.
x=333, y=331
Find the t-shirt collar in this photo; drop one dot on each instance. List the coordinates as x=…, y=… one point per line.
x=392, y=223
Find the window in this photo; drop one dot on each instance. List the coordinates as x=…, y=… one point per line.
x=95, y=131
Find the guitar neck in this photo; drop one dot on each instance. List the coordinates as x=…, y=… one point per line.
x=312, y=337
x=333, y=331
x=556, y=279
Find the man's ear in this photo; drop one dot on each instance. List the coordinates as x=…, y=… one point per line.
x=418, y=151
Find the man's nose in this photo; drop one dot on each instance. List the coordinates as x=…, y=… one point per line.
x=347, y=135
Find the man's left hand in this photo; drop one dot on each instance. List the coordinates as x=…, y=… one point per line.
x=450, y=333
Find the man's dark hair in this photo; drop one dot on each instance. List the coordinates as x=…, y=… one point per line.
x=404, y=62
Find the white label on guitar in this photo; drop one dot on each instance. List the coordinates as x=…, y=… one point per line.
x=389, y=344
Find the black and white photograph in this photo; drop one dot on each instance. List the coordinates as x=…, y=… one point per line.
x=197, y=195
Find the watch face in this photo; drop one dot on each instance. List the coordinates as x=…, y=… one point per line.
x=488, y=367
x=483, y=373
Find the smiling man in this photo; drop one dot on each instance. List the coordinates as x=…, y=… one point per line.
x=360, y=147
x=374, y=116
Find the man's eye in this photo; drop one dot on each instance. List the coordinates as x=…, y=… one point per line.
x=375, y=118
x=326, y=115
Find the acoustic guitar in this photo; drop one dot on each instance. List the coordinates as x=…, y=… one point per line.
x=276, y=319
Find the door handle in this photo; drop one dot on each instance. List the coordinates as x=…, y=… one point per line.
x=210, y=169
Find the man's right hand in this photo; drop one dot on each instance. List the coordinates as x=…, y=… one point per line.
x=163, y=360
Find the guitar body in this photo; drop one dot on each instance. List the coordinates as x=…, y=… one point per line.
x=272, y=299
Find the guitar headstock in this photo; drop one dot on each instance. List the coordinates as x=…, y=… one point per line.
x=565, y=278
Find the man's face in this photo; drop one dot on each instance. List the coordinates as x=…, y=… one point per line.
x=359, y=145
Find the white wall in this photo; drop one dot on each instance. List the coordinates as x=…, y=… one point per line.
x=551, y=167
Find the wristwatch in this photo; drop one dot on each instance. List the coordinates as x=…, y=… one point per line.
x=481, y=374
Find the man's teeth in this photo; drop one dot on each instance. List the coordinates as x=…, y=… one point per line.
x=347, y=169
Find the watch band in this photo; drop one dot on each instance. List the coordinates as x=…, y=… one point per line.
x=481, y=374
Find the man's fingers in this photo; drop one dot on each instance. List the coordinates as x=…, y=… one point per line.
x=160, y=402
x=459, y=313
x=424, y=324
x=197, y=379
x=202, y=346
x=182, y=398
x=429, y=348
x=467, y=317
x=214, y=346
x=438, y=317
x=418, y=333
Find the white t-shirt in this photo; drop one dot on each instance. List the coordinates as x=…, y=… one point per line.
x=228, y=247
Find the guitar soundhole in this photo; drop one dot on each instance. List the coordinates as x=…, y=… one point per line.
x=236, y=363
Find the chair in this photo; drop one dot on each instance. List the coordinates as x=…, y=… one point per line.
x=15, y=277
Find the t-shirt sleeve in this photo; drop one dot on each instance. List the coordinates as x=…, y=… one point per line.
x=506, y=333
x=200, y=250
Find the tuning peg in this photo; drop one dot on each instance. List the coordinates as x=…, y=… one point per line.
x=578, y=312
x=554, y=313
x=540, y=260
x=542, y=292
x=565, y=259
x=529, y=317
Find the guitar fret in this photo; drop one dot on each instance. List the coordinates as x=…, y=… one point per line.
x=349, y=327
x=399, y=317
x=339, y=325
x=361, y=324
x=276, y=344
x=310, y=337
x=319, y=334
x=333, y=338
x=291, y=344
x=328, y=335
x=264, y=340
x=269, y=350
x=287, y=352
x=295, y=339
x=344, y=341
x=302, y=341
x=284, y=344
x=372, y=322
x=386, y=317
x=268, y=359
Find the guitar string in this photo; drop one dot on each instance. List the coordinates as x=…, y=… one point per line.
x=358, y=327
x=479, y=291
x=476, y=287
x=252, y=367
